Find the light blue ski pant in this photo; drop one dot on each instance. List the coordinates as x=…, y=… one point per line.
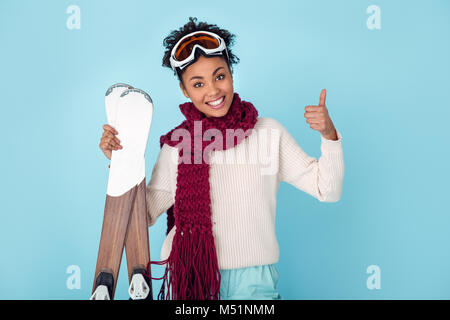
x=250, y=283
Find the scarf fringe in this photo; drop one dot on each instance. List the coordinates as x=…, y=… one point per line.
x=188, y=258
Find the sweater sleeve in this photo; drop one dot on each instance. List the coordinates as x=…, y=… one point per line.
x=159, y=195
x=323, y=178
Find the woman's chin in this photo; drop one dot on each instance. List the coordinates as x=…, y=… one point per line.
x=218, y=113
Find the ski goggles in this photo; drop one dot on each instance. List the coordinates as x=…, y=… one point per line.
x=184, y=52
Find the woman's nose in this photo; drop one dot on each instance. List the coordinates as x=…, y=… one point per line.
x=213, y=91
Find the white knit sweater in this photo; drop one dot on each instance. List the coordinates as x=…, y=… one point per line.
x=244, y=181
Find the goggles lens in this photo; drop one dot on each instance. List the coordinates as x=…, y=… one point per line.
x=185, y=48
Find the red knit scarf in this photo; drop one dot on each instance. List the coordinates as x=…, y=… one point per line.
x=192, y=270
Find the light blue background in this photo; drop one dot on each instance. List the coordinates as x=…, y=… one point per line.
x=388, y=94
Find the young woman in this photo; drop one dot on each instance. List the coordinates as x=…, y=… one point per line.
x=221, y=241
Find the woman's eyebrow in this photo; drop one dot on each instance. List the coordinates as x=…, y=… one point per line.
x=199, y=77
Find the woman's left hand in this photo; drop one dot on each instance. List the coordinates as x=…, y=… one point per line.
x=319, y=119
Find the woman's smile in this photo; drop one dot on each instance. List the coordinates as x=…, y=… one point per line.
x=218, y=103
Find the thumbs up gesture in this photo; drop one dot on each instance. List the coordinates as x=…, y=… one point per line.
x=319, y=119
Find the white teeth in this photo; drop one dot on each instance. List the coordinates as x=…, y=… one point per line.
x=216, y=103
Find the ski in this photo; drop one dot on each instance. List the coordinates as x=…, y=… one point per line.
x=129, y=111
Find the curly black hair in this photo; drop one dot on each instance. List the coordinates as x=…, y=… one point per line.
x=170, y=41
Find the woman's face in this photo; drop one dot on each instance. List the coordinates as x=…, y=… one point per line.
x=208, y=80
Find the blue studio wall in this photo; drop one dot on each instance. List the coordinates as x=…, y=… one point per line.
x=385, y=65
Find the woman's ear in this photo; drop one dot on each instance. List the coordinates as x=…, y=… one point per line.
x=184, y=90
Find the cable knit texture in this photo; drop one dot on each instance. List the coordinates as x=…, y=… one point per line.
x=192, y=269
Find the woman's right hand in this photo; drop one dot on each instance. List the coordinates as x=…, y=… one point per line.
x=109, y=141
